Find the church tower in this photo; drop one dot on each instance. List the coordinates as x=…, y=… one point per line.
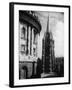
x=46, y=50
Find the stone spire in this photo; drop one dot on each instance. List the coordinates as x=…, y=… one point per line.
x=47, y=25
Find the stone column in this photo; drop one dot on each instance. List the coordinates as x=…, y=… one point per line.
x=32, y=39
x=26, y=34
x=27, y=41
x=36, y=45
x=31, y=42
x=29, y=30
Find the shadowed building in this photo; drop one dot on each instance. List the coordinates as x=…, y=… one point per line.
x=59, y=66
x=29, y=29
x=47, y=52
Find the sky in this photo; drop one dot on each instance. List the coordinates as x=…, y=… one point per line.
x=56, y=26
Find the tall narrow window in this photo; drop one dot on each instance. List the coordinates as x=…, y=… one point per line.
x=22, y=49
x=34, y=51
x=34, y=38
x=23, y=32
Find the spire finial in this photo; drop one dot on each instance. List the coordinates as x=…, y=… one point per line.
x=48, y=24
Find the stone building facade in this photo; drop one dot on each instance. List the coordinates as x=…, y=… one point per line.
x=29, y=29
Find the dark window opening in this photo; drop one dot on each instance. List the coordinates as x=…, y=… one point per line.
x=22, y=49
x=34, y=51
x=23, y=32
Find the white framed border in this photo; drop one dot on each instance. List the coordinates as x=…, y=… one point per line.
x=41, y=81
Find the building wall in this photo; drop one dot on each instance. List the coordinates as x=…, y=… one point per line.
x=59, y=66
x=28, y=44
x=29, y=67
x=48, y=52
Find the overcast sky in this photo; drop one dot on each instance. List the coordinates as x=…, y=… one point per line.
x=56, y=26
